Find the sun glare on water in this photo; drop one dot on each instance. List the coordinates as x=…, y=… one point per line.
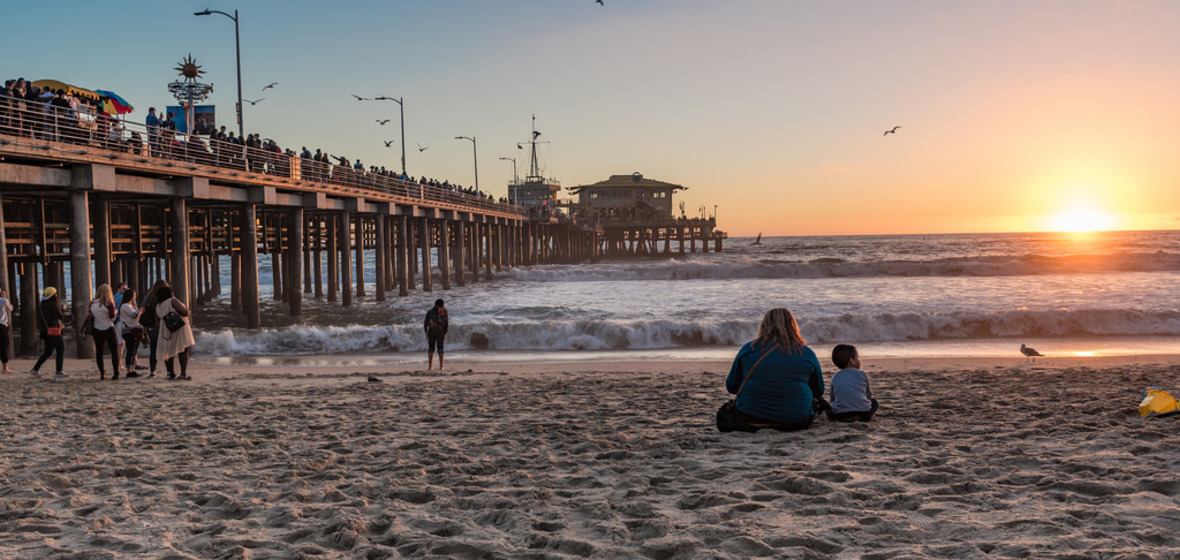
x=1081, y=220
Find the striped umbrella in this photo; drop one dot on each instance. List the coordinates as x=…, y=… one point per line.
x=113, y=104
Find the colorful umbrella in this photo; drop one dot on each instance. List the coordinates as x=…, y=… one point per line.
x=113, y=104
x=72, y=90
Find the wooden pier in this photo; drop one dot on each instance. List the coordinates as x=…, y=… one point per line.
x=117, y=212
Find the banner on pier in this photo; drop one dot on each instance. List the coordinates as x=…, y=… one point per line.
x=204, y=118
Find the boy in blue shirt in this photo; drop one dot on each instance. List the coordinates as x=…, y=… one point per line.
x=852, y=398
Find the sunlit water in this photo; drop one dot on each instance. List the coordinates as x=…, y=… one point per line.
x=931, y=295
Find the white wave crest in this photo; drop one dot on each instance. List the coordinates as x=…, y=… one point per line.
x=773, y=268
x=648, y=334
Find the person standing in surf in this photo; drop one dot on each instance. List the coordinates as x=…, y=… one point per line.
x=436, y=325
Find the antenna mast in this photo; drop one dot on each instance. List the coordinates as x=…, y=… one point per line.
x=534, y=165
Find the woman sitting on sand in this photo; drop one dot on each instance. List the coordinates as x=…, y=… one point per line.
x=787, y=383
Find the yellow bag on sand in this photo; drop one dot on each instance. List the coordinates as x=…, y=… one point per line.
x=1157, y=401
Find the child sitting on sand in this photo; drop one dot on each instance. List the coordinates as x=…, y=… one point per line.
x=852, y=398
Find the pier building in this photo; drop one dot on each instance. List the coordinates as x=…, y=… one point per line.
x=634, y=214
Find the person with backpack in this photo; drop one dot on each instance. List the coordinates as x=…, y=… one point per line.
x=149, y=320
x=436, y=325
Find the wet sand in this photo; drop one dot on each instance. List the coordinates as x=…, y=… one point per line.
x=967, y=459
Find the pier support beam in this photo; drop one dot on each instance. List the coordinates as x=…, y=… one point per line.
x=379, y=255
x=102, y=242
x=403, y=257
x=249, y=266
x=179, y=281
x=444, y=253
x=427, y=284
x=411, y=253
x=29, y=299
x=317, y=268
x=295, y=261
x=489, y=251
x=80, y=267
x=359, y=241
x=345, y=259
x=460, y=261
x=333, y=238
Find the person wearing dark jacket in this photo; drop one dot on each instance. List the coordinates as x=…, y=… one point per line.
x=777, y=379
x=49, y=315
x=436, y=325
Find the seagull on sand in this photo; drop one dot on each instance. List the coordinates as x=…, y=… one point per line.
x=381, y=122
x=270, y=85
x=1030, y=353
x=891, y=131
x=374, y=379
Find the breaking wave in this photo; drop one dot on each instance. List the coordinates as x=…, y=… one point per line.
x=574, y=335
x=831, y=267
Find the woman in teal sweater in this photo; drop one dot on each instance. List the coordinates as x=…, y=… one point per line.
x=788, y=384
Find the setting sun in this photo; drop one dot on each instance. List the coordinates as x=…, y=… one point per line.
x=1081, y=220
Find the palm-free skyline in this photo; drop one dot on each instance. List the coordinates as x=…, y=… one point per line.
x=1014, y=116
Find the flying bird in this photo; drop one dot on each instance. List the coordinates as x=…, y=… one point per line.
x=388, y=143
x=600, y=3
x=536, y=134
x=255, y=102
x=359, y=98
x=381, y=122
x=422, y=148
x=383, y=98
x=891, y=131
x=1030, y=353
x=270, y=85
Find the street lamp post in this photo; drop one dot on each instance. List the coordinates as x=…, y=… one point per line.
x=474, y=156
x=238, y=49
x=515, y=180
x=402, y=118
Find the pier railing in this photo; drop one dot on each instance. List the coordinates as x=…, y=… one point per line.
x=41, y=126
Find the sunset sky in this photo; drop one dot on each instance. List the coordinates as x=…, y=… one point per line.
x=1015, y=115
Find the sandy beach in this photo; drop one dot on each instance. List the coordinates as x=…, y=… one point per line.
x=967, y=459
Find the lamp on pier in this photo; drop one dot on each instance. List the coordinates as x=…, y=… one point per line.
x=238, y=49
x=515, y=180
x=474, y=156
x=402, y=107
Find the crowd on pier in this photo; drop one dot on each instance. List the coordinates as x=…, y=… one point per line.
x=65, y=116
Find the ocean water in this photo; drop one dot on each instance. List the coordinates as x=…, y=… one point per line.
x=1110, y=293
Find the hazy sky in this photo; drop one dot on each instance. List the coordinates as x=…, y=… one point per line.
x=1012, y=112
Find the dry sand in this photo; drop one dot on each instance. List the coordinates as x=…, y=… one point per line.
x=967, y=459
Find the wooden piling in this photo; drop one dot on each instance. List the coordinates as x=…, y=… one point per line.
x=345, y=259
x=427, y=284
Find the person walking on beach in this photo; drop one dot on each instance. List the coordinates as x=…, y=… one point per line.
x=102, y=308
x=130, y=332
x=852, y=398
x=173, y=342
x=5, y=333
x=49, y=320
x=777, y=379
x=436, y=325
